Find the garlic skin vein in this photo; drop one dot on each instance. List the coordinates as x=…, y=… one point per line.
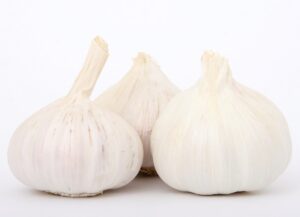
x=220, y=137
x=139, y=97
x=73, y=148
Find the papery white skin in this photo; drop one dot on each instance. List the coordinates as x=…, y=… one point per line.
x=139, y=97
x=220, y=137
x=73, y=148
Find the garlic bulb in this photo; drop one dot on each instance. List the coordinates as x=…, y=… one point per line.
x=220, y=137
x=139, y=98
x=73, y=148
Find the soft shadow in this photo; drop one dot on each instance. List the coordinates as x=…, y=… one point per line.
x=37, y=193
x=141, y=184
x=144, y=184
x=245, y=194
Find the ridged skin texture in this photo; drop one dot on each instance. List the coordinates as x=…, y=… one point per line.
x=220, y=137
x=139, y=97
x=75, y=150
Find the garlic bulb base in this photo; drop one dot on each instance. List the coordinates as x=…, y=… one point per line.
x=75, y=195
x=148, y=172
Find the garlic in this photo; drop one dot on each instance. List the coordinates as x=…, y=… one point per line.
x=220, y=137
x=139, y=97
x=73, y=148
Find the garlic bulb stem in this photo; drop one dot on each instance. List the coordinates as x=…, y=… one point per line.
x=95, y=60
x=216, y=70
x=142, y=58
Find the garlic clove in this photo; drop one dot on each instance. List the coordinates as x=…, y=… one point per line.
x=139, y=97
x=73, y=148
x=220, y=137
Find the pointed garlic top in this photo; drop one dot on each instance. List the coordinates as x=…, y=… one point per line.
x=216, y=70
x=94, y=62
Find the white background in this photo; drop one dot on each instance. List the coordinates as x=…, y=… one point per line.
x=42, y=48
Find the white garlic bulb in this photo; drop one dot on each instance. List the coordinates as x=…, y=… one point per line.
x=139, y=97
x=74, y=148
x=220, y=137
